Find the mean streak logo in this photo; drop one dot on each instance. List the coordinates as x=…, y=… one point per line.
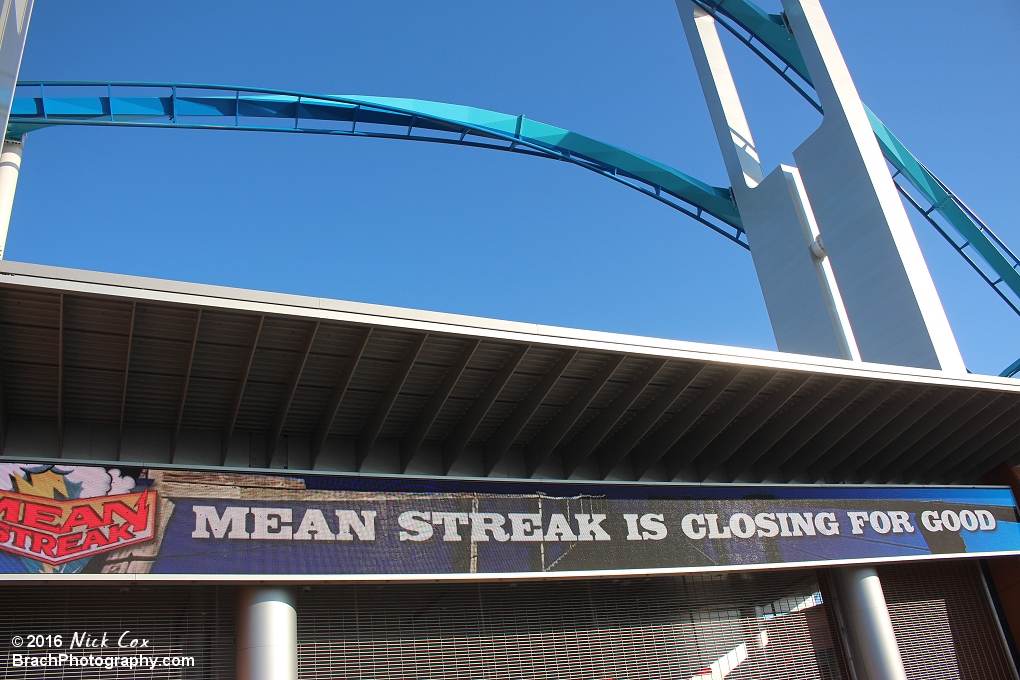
x=58, y=531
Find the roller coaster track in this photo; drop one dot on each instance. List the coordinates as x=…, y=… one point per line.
x=255, y=109
x=45, y=104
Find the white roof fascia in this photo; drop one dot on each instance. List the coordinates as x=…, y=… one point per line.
x=85, y=282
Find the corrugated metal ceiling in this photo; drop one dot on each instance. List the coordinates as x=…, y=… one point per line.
x=117, y=368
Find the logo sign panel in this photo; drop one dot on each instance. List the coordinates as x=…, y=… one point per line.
x=58, y=531
x=133, y=520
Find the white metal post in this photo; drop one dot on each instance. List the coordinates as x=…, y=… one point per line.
x=869, y=616
x=266, y=634
x=10, y=167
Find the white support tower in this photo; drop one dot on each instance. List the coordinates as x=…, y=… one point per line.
x=15, y=16
x=803, y=300
x=836, y=217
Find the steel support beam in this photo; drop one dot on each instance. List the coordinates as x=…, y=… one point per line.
x=124, y=386
x=790, y=444
x=581, y=446
x=943, y=430
x=662, y=440
x=542, y=446
x=758, y=445
x=242, y=381
x=336, y=395
x=283, y=407
x=419, y=429
x=499, y=442
x=928, y=420
x=829, y=429
x=1006, y=452
x=722, y=448
x=958, y=435
x=872, y=436
x=950, y=456
x=370, y=430
x=176, y=432
x=689, y=448
x=462, y=432
x=623, y=442
x=1003, y=441
x=1005, y=456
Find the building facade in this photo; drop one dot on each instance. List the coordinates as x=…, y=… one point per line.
x=271, y=486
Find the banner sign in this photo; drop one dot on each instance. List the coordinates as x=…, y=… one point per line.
x=70, y=519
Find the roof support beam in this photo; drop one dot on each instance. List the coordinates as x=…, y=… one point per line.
x=499, y=442
x=60, y=380
x=542, y=446
x=663, y=439
x=419, y=429
x=689, y=448
x=242, y=381
x=176, y=432
x=329, y=411
x=875, y=449
x=790, y=445
x=1004, y=446
x=282, y=408
x=622, y=443
x=891, y=453
x=955, y=457
x=827, y=426
x=372, y=427
x=719, y=451
x=870, y=429
x=968, y=412
x=961, y=441
x=758, y=444
x=124, y=386
x=465, y=429
x=581, y=446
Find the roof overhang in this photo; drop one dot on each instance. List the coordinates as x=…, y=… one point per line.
x=119, y=368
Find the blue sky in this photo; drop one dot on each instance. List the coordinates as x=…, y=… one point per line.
x=482, y=232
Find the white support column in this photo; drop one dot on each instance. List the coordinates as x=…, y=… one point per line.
x=869, y=618
x=10, y=167
x=797, y=282
x=895, y=311
x=266, y=634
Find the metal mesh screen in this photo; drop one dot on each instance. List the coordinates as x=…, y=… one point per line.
x=736, y=626
x=178, y=621
x=944, y=623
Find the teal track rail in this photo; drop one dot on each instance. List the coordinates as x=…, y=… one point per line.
x=768, y=35
x=45, y=104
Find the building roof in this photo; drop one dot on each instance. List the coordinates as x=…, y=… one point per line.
x=119, y=368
